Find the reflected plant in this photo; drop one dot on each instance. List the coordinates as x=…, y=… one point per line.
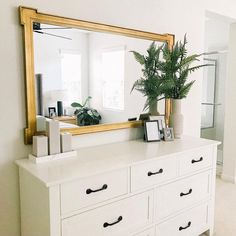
x=152, y=84
x=86, y=115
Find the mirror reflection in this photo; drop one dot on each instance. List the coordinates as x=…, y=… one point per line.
x=85, y=78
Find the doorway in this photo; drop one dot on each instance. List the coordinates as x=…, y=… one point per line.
x=217, y=30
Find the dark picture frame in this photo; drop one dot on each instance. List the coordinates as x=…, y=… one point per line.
x=152, y=131
x=168, y=134
x=52, y=112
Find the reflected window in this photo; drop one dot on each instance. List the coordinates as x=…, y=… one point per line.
x=71, y=76
x=113, y=72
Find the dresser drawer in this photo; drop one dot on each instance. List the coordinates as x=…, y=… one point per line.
x=149, y=232
x=117, y=219
x=92, y=190
x=152, y=173
x=181, y=194
x=196, y=160
x=191, y=223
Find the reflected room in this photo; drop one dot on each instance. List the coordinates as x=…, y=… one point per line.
x=85, y=77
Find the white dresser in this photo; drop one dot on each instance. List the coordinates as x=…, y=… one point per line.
x=131, y=188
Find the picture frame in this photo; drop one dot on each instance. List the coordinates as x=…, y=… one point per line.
x=161, y=123
x=51, y=112
x=160, y=119
x=168, y=134
x=151, y=131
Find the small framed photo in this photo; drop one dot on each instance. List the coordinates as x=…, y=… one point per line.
x=161, y=121
x=151, y=130
x=168, y=134
x=52, y=112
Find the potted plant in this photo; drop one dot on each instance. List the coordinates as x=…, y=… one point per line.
x=86, y=115
x=177, y=66
x=151, y=84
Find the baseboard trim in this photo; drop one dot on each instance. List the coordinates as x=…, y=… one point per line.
x=228, y=178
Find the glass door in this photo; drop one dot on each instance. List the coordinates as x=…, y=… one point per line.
x=212, y=114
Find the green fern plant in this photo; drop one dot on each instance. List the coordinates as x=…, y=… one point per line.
x=177, y=66
x=151, y=83
x=165, y=72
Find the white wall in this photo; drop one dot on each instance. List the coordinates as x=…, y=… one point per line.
x=229, y=167
x=177, y=17
x=216, y=33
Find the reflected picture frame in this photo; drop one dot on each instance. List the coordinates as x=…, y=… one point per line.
x=152, y=131
x=51, y=112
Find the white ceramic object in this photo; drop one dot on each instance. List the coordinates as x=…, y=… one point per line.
x=177, y=118
x=53, y=133
x=40, y=146
x=66, y=142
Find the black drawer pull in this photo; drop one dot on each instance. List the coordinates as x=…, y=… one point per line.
x=155, y=173
x=182, y=228
x=199, y=160
x=116, y=222
x=184, y=194
x=88, y=191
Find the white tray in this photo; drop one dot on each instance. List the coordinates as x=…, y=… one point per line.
x=52, y=157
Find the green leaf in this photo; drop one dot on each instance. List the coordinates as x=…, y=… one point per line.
x=139, y=58
x=86, y=101
x=76, y=104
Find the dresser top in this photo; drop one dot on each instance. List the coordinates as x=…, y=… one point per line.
x=94, y=160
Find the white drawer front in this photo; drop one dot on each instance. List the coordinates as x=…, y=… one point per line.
x=181, y=194
x=191, y=223
x=196, y=160
x=152, y=173
x=119, y=218
x=92, y=190
x=149, y=232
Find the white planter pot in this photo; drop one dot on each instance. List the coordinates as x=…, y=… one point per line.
x=176, y=118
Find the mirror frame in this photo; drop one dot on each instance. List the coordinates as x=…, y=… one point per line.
x=30, y=15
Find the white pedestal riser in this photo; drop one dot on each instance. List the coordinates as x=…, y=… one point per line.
x=40, y=146
x=53, y=133
x=66, y=142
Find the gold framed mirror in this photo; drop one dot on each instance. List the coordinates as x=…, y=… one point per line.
x=29, y=17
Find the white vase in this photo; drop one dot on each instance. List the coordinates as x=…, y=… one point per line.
x=176, y=118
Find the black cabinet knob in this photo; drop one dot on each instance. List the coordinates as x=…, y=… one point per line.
x=89, y=190
x=185, y=194
x=188, y=225
x=155, y=173
x=106, y=224
x=199, y=160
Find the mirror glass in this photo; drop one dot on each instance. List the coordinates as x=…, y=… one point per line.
x=73, y=65
x=208, y=94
